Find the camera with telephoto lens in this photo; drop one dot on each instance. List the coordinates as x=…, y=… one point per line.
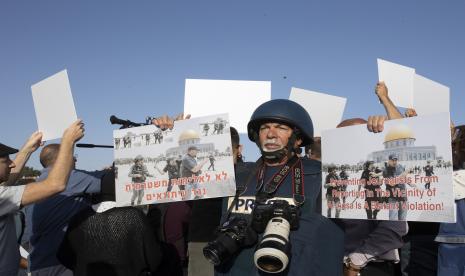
x=233, y=235
x=277, y=219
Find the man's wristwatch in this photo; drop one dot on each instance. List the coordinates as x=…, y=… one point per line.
x=351, y=266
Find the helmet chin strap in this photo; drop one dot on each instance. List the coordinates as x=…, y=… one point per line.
x=278, y=156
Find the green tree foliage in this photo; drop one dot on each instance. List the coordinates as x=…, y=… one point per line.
x=29, y=172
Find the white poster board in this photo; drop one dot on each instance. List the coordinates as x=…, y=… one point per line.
x=325, y=110
x=237, y=98
x=415, y=187
x=155, y=166
x=429, y=96
x=399, y=81
x=54, y=105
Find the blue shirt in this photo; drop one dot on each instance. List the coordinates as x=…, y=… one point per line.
x=46, y=221
x=317, y=246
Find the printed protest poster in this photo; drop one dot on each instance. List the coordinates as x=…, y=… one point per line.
x=402, y=173
x=191, y=161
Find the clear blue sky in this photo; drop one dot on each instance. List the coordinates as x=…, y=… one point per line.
x=130, y=58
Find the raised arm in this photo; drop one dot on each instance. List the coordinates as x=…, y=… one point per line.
x=391, y=110
x=31, y=145
x=59, y=174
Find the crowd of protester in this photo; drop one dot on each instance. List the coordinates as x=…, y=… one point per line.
x=68, y=223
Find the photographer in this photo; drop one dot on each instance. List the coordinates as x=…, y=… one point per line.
x=297, y=239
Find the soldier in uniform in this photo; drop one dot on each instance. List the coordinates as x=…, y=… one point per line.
x=117, y=141
x=218, y=126
x=212, y=162
x=127, y=141
x=206, y=128
x=160, y=137
x=332, y=201
x=157, y=137
x=173, y=173
x=147, y=139
x=138, y=173
x=343, y=175
x=370, y=178
x=428, y=172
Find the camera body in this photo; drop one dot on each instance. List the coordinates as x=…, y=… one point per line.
x=263, y=213
x=233, y=235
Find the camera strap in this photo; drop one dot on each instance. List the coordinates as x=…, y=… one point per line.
x=298, y=193
x=266, y=190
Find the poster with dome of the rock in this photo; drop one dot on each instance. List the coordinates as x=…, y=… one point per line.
x=192, y=161
x=401, y=173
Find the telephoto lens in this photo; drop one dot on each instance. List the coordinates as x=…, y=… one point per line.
x=273, y=253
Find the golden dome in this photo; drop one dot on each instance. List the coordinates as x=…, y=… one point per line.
x=189, y=135
x=399, y=132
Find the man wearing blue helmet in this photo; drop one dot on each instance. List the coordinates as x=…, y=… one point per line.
x=282, y=192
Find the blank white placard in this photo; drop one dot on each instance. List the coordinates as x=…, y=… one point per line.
x=429, y=96
x=325, y=110
x=54, y=106
x=399, y=81
x=238, y=98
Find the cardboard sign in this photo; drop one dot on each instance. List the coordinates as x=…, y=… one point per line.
x=192, y=161
x=237, y=98
x=317, y=106
x=399, y=80
x=54, y=105
x=429, y=96
x=402, y=173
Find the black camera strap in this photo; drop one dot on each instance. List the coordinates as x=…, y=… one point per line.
x=277, y=179
x=267, y=190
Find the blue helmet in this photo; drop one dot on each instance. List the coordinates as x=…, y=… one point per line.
x=283, y=111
